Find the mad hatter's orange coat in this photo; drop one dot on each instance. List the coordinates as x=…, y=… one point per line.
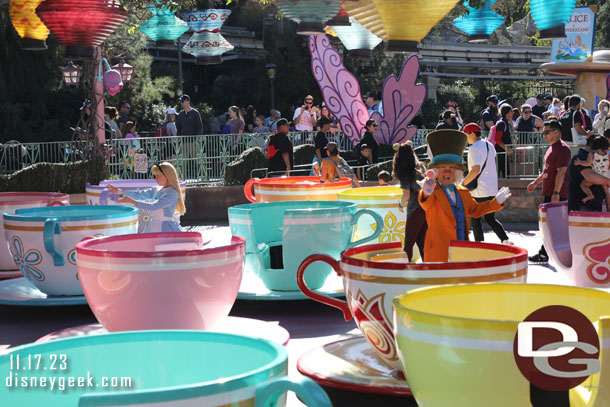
x=442, y=227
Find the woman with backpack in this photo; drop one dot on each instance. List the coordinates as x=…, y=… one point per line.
x=501, y=135
x=335, y=167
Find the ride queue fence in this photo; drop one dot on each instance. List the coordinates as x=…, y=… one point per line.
x=204, y=158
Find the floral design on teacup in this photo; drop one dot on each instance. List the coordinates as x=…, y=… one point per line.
x=598, y=255
x=393, y=230
x=26, y=259
x=144, y=220
x=374, y=323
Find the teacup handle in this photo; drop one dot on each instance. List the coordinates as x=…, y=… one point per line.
x=248, y=189
x=52, y=227
x=310, y=393
x=375, y=234
x=324, y=299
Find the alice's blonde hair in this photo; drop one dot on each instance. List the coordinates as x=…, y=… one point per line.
x=169, y=171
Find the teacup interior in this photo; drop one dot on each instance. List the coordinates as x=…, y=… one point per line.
x=28, y=196
x=150, y=243
x=504, y=302
x=371, y=193
x=76, y=212
x=153, y=360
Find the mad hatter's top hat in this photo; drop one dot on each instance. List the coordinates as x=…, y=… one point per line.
x=447, y=148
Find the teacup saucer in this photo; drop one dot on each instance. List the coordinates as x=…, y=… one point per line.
x=231, y=325
x=252, y=288
x=351, y=364
x=10, y=274
x=19, y=291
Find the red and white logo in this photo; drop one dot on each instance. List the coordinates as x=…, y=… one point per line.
x=557, y=348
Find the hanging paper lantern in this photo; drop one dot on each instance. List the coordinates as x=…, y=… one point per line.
x=480, y=23
x=163, y=26
x=113, y=82
x=28, y=25
x=340, y=19
x=81, y=25
x=206, y=44
x=357, y=39
x=551, y=16
x=311, y=15
x=399, y=23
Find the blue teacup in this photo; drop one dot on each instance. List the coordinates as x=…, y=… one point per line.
x=160, y=368
x=43, y=241
x=280, y=235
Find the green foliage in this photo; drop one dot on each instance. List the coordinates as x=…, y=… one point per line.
x=304, y=154
x=373, y=171
x=238, y=172
x=46, y=177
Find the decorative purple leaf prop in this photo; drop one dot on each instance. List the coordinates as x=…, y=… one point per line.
x=402, y=99
x=340, y=89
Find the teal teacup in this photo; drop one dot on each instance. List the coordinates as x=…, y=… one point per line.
x=280, y=235
x=153, y=368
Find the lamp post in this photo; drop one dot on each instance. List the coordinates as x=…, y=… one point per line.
x=124, y=69
x=271, y=69
x=70, y=74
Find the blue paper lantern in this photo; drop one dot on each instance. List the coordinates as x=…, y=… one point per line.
x=164, y=26
x=206, y=44
x=480, y=23
x=311, y=15
x=356, y=39
x=551, y=16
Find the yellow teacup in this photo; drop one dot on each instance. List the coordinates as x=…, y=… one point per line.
x=456, y=342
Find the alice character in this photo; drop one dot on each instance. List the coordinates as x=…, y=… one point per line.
x=160, y=206
x=447, y=204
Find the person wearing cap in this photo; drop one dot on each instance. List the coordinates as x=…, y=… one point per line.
x=539, y=108
x=188, y=122
x=279, y=151
x=369, y=101
x=170, y=122
x=447, y=204
x=482, y=172
x=490, y=116
x=320, y=141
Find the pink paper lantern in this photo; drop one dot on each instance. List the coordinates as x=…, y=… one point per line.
x=113, y=82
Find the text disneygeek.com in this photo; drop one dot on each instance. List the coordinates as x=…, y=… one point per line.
x=61, y=383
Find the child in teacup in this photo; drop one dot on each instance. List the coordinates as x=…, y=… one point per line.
x=162, y=203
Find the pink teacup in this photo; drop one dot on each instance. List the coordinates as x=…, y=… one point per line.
x=159, y=280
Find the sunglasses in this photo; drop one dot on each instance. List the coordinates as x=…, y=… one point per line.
x=374, y=125
x=309, y=103
x=547, y=132
x=527, y=111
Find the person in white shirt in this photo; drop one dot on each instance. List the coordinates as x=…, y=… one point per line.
x=305, y=117
x=599, y=122
x=482, y=167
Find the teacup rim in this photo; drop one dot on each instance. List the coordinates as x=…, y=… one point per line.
x=519, y=256
x=399, y=308
x=270, y=181
x=353, y=193
x=82, y=247
x=116, y=212
x=160, y=394
x=585, y=214
x=329, y=205
x=50, y=196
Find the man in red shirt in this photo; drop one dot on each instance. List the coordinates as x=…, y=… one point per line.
x=554, y=178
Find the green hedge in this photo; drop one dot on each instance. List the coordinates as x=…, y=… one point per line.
x=304, y=154
x=68, y=178
x=374, y=170
x=238, y=172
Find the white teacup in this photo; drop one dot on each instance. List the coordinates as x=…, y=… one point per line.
x=42, y=240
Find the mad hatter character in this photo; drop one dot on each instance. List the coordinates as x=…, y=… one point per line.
x=447, y=204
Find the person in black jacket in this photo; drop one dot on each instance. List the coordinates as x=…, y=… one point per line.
x=188, y=122
x=504, y=129
x=368, y=139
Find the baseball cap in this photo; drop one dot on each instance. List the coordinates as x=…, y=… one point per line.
x=471, y=128
x=323, y=121
x=185, y=97
x=369, y=95
x=492, y=98
x=540, y=96
x=171, y=110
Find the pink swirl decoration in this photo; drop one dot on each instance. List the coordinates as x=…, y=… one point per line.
x=402, y=98
x=598, y=254
x=340, y=88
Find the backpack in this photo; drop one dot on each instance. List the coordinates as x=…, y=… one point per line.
x=492, y=135
x=343, y=169
x=161, y=131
